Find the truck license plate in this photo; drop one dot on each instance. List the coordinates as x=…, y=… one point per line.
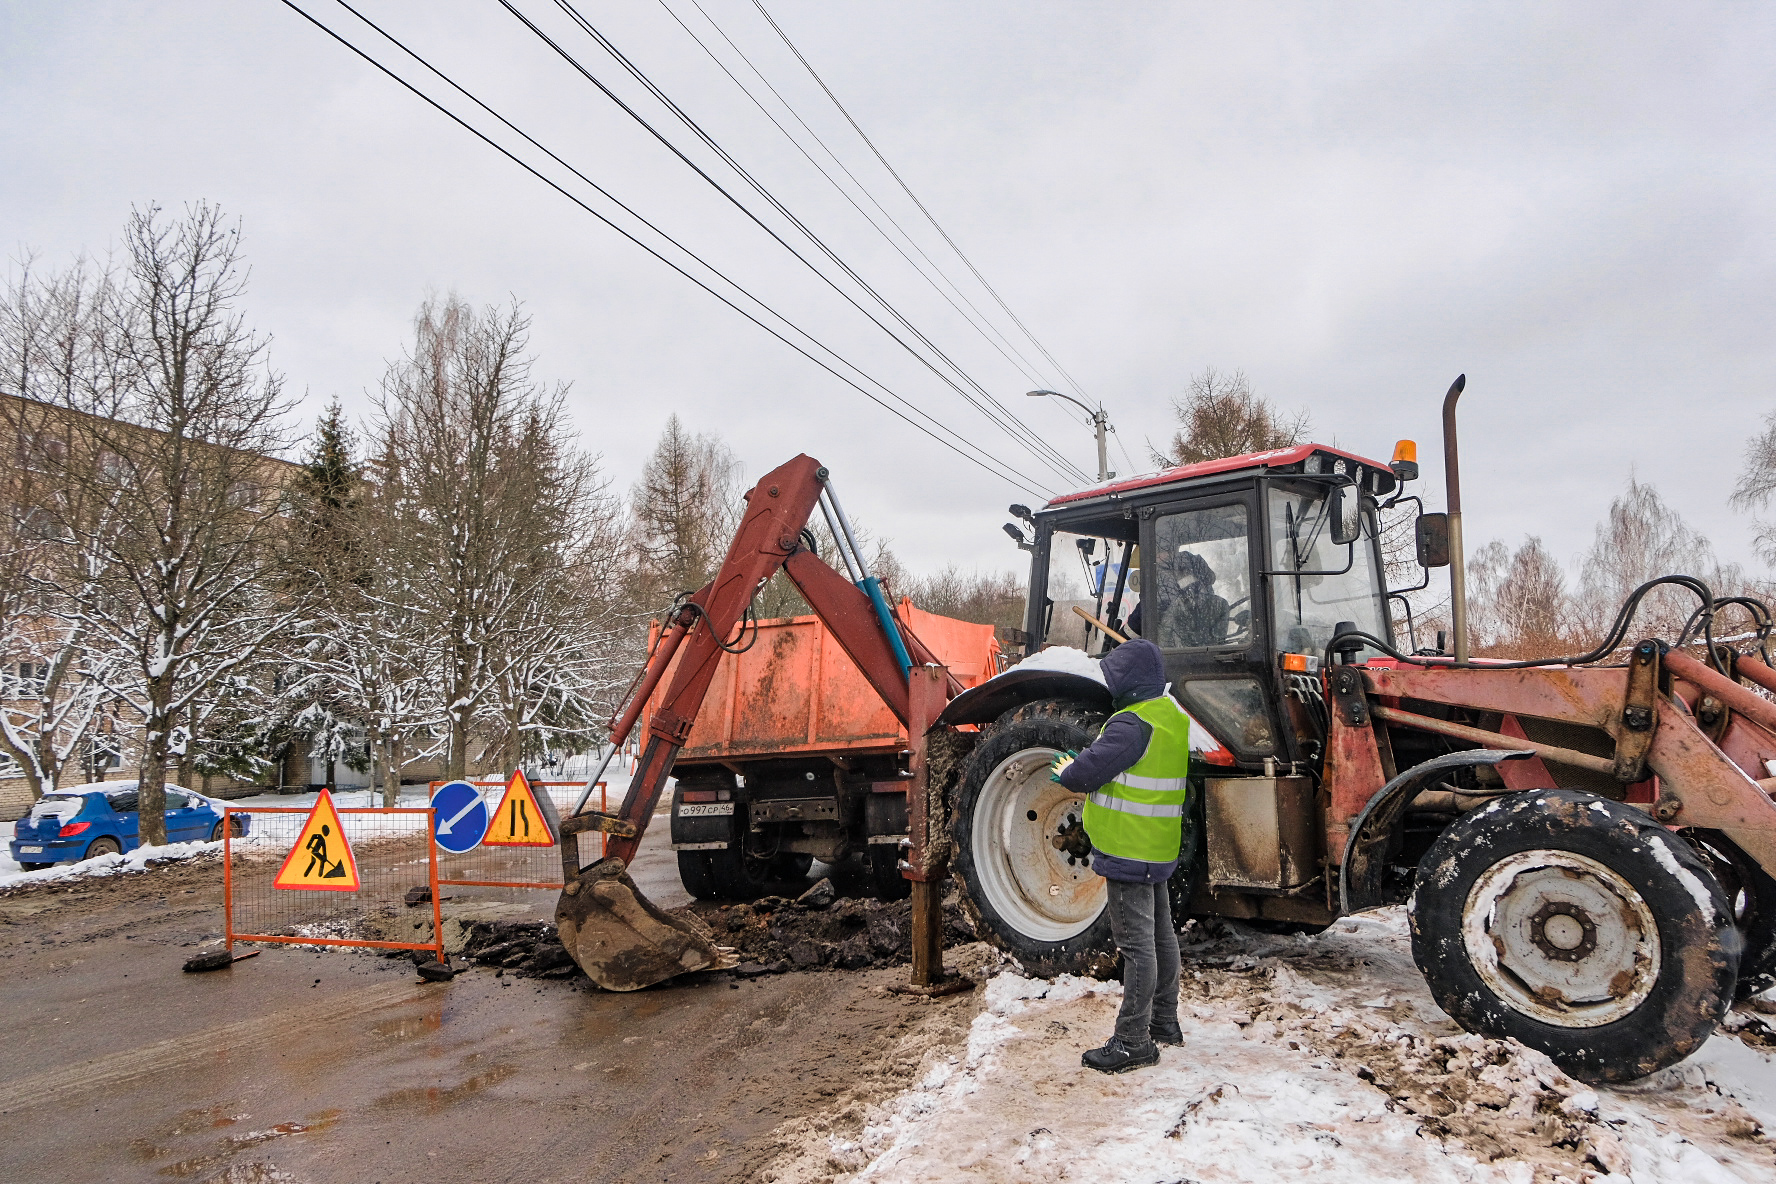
x=704, y=810
x=30, y=850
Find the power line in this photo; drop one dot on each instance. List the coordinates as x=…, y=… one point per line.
x=1019, y=432
x=978, y=320
x=1010, y=476
x=906, y=189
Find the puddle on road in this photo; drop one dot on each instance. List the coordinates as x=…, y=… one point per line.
x=407, y=1027
x=316, y=1122
x=435, y=1098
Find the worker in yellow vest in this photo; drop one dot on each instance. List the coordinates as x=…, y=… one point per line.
x=1133, y=776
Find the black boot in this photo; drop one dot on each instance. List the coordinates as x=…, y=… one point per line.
x=1166, y=1031
x=1117, y=1057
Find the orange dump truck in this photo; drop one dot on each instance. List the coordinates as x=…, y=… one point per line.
x=794, y=757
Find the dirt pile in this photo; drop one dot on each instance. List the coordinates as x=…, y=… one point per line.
x=817, y=931
x=527, y=949
x=775, y=934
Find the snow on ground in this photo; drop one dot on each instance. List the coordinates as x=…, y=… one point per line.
x=101, y=865
x=1317, y=1058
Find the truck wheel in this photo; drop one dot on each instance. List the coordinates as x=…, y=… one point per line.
x=739, y=876
x=1043, y=906
x=696, y=875
x=1578, y=926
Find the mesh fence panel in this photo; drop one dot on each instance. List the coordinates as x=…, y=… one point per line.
x=393, y=852
x=517, y=867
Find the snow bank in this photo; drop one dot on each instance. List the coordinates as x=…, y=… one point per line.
x=110, y=865
x=1322, y=1058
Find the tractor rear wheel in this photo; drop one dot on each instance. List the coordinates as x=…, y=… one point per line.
x=1042, y=905
x=1578, y=926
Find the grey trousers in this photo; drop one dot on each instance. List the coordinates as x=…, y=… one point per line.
x=1141, y=921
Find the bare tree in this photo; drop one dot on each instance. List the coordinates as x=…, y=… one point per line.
x=1757, y=485
x=1531, y=607
x=1643, y=538
x=169, y=513
x=1222, y=416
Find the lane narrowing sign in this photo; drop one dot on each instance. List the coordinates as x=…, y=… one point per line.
x=518, y=821
x=460, y=817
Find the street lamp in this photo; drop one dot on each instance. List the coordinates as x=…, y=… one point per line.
x=1100, y=421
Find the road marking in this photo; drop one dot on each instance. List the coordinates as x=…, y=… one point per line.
x=200, y=1048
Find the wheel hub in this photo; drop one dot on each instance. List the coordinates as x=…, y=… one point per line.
x=1044, y=889
x=1561, y=938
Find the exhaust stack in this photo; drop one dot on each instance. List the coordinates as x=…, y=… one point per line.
x=1458, y=570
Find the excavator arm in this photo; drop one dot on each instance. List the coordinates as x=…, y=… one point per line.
x=616, y=935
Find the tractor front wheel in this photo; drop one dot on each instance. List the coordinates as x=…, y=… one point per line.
x=1040, y=903
x=1578, y=926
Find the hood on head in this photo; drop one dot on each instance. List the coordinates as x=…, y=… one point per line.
x=1133, y=671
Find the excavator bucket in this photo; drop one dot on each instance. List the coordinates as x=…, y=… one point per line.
x=622, y=940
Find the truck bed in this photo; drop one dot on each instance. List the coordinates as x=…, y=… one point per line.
x=795, y=692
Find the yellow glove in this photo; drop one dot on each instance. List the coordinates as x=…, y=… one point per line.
x=1060, y=764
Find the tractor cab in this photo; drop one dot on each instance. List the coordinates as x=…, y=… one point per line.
x=1241, y=570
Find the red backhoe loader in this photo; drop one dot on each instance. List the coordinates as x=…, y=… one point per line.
x=1585, y=845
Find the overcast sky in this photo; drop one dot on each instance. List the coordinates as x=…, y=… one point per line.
x=1352, y=203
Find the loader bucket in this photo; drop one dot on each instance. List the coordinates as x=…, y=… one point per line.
x=621, y=940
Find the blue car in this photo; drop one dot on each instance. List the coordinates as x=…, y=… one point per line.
x=100, y=819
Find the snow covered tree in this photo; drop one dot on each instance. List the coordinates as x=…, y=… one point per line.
x=486, y=502
x=168, y=514
x=52, y=675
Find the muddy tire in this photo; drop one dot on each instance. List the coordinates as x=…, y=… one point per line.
x=1040, y=905
x=739, y=876
x=1578, y=926
x=103, y=845
x=696, y=875
x=1751, y=893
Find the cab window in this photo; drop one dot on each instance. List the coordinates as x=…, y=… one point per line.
x=1202, y=587
x=1310, y=584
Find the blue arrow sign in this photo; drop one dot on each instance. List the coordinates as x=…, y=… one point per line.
x=459, y=817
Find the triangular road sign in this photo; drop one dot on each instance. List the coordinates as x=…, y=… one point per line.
x=321, y=860
x=519, y=821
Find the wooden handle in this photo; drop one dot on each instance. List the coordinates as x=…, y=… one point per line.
x=1094, y=621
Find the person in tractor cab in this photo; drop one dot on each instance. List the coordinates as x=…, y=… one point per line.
x=1190, y=613
x=1133, y=776
x=1194, y=615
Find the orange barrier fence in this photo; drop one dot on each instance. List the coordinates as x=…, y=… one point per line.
x=515, y=867
x=279, y=887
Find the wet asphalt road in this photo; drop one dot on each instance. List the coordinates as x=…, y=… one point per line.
x=337, y=1066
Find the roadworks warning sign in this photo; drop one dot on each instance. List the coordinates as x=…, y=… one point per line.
x=519, y=821
x=321, y=860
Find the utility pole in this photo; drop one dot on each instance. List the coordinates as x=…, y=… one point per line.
x=1100, y=421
